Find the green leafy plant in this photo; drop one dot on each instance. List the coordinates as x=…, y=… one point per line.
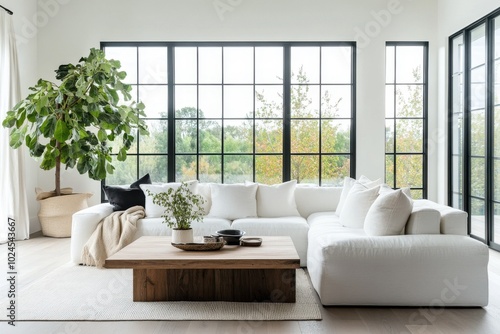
x=71, y=123
x=181, y=206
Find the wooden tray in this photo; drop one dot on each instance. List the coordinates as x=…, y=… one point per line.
x=199, y=246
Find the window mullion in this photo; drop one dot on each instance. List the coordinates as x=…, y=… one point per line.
x=467, y=127
x=425, y=118
x=171, y=113
x=490, y=128
x=287, y=112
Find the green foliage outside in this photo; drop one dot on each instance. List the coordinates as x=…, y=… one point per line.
x=409, y=138
x=205, y=136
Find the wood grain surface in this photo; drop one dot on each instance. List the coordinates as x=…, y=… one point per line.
x=234, y=273
x=150, y=252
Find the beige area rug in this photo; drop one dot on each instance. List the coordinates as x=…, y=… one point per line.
x=86, y=293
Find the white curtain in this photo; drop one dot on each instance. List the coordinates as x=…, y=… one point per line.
x=13, y=203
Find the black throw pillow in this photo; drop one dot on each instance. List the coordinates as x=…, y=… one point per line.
x=143, y=180
x=124, y=198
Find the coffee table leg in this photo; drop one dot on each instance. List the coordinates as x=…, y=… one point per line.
x=149, y=285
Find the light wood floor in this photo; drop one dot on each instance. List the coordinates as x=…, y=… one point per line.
x=41, y=255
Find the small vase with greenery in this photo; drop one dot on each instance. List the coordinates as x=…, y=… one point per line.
x=182, y=207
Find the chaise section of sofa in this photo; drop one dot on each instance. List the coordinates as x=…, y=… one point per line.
x=416, y=270
x=423, y=267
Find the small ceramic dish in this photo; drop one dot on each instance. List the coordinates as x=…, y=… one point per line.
x=251, y=242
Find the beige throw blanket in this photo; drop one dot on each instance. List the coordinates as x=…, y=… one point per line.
x=112, y=234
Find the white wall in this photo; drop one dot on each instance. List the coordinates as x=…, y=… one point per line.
x=27, y=56
x=453, y=15
x=78, y=25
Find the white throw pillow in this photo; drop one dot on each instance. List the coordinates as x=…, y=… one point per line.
x=388, y=214
x=205, y=192
x=385, y=188
x=358, y=202
x=348, y=183
x=277, y=200
x=155, y=211
x=233, y=201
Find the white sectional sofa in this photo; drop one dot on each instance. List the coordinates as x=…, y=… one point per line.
x=432, y=262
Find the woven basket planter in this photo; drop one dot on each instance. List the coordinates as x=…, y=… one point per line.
x=56, y=213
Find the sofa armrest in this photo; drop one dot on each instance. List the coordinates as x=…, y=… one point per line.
x=453, y=221
x=423, y=220
x=84, y=223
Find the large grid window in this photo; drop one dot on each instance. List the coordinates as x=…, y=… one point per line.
x=229, y=113
x=321, y=107
x=406, y=116
x=147, y=72
x=474, y=112
x=235, y=112
x=456, y=144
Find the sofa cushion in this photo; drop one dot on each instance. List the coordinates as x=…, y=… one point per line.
x=232, y=201
x=325, y=218
x=154, y=210
x=311, y=199
x=348, y=184
x=358, y=202
x=453, y=221
x=277, y=200
x=294, y=227
x=123, y=198
x=423, y=220
x=388, y=214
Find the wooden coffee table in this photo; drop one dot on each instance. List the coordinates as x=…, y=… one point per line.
x=162, y=272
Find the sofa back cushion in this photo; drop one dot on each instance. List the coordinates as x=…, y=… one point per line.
x=423, y=220
x=311, y=199
x=453, y=221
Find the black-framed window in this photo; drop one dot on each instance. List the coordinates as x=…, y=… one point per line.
x=474, y=126
x=236, y=111
x=406, y=116
x=456, y=120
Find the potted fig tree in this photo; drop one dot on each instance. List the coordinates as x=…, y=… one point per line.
x=70, y=124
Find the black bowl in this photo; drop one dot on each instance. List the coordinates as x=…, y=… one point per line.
x=232, y=237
